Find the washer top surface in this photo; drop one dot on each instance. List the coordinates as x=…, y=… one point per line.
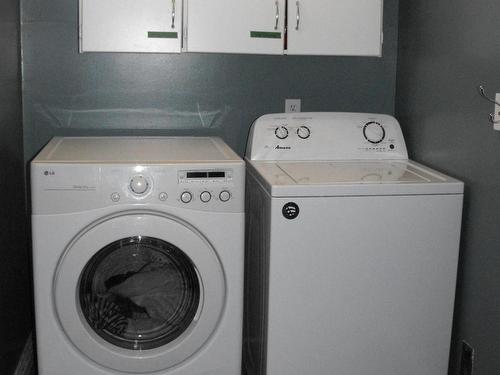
x=148, y=150
x=73, y=174
x=334, y=178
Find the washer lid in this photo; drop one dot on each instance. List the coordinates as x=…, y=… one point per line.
x=340, y=178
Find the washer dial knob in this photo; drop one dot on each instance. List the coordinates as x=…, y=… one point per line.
x=303, y=132
x=139, y=184
x=224, y=195
x=281, y=132
x=374, y=132
x=186, y=197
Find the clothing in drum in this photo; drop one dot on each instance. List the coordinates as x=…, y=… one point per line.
x=139, y=293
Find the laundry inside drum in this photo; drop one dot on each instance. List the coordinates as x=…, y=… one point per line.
x=139, y=293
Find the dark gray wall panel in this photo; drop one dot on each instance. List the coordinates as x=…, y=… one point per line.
x=15, y=295
x=446, y=49
x=66, y=93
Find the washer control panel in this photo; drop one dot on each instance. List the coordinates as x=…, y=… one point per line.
x=218, y=189
x=326, y=136
x=202, y=187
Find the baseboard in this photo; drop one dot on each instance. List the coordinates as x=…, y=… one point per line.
x=26, y=364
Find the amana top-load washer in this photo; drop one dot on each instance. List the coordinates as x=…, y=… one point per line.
x=352, y=250
x=138, y=256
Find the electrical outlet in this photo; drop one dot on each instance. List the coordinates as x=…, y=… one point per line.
x=292, y=105
x=467, y=359
x=496, y=117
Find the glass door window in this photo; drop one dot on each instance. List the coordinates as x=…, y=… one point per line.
x=139, y=293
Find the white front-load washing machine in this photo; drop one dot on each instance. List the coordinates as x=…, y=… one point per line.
x=352, y=250
x=138, y=256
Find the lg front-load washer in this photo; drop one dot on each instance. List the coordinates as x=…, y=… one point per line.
x=138, y=256
x=352, y=250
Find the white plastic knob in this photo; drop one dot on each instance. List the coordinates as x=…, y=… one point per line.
x=139, y=184
x=374, y=132
x=303, y=132
x=281, y=132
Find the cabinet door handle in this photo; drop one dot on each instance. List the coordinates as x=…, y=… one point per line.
x=173, y=14
x=277, y=15
x=298, y=15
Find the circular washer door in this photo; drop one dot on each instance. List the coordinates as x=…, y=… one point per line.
x=139, y=292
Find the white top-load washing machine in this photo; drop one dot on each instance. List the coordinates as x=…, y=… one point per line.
x=138, y=256
x=352, y=250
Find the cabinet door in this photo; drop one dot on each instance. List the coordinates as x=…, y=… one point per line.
x=130, y=25
x=235, y=26
x=335, y=27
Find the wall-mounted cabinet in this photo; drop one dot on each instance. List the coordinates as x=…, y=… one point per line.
x=294, y=27
x=235, y=26
x=335, y=27
x=130, y=25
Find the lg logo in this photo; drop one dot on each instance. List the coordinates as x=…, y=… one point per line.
x=49, y=173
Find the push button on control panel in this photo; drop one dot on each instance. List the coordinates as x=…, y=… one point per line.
x=224, y=195
x=205, y=196
x=186, y=197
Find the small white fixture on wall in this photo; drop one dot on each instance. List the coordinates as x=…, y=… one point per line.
x=494, y=117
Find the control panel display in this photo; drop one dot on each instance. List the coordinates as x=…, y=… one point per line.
x=192, y=175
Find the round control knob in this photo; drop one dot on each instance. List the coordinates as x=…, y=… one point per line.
x=205, y=196
x=186, y=197
x=224, y=195
x=304, y=132
x=281, y=132
x=374, y=132
x=139, y=184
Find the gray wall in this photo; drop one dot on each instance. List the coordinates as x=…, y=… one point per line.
x=66, y=93
x=446, y=49
x=15, y=300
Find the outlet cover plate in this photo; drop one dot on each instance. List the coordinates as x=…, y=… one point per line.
x=292, y=105
x=496, y=117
